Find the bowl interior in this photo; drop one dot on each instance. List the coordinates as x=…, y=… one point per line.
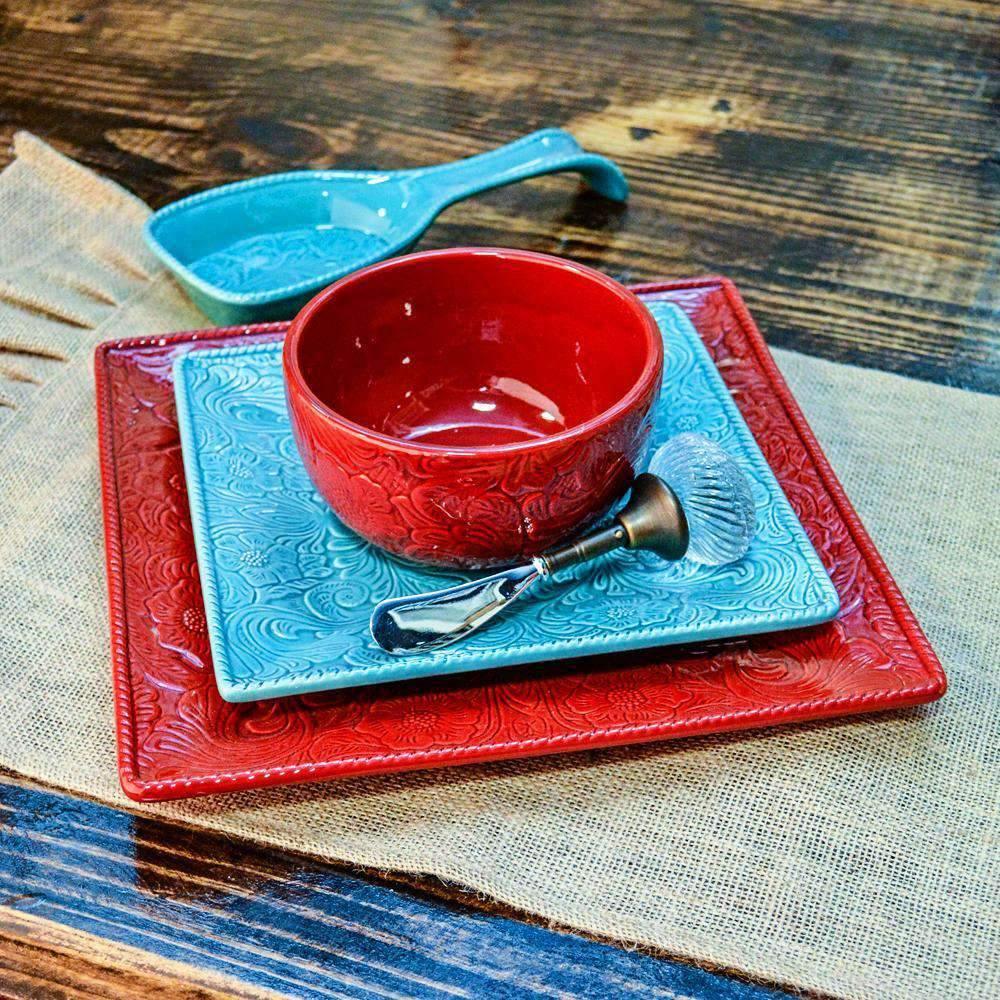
x=475, y=349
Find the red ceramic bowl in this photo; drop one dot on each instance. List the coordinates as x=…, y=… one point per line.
x=472, y=407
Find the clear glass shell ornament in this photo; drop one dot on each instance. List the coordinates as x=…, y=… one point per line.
x=715, y=494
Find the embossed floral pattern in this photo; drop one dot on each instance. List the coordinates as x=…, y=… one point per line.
x=257, y=557
x=178, y=737
x=177, y=613
x=506, y=512
x=294, y=588
x=859, y=662
x=612, y=699
x=619, y=613
x=275, y=260
x=237, y=469
x=436, y=719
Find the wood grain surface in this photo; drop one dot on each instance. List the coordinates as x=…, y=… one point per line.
x=837, y=158
x=39, y=957
x=93, y=898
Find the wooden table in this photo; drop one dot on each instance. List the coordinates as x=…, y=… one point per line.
x=836, y=159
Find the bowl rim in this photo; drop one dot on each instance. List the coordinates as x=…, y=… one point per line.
x=649, y=374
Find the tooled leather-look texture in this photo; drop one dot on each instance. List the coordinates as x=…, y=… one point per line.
x=462, y=510
x=177, y=737
x=289, y=590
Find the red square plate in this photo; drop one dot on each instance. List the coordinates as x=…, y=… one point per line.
x=177, y=737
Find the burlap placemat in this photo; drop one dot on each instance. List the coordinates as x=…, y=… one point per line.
x=856, y=858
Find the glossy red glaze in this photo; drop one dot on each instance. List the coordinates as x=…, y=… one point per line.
x=472, y=407
x=177, y=737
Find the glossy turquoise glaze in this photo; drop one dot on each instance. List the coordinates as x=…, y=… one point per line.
x=259, y=249
x=289, y=590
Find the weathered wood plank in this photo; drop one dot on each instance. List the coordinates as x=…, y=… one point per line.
x=272, y=921
x=41, y=958
x=836, y=159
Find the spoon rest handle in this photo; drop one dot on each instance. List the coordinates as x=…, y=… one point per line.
x=546, y=152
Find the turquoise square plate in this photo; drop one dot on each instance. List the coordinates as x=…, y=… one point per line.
x=289, y=590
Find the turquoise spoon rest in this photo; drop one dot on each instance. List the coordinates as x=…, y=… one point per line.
x=259, y=249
